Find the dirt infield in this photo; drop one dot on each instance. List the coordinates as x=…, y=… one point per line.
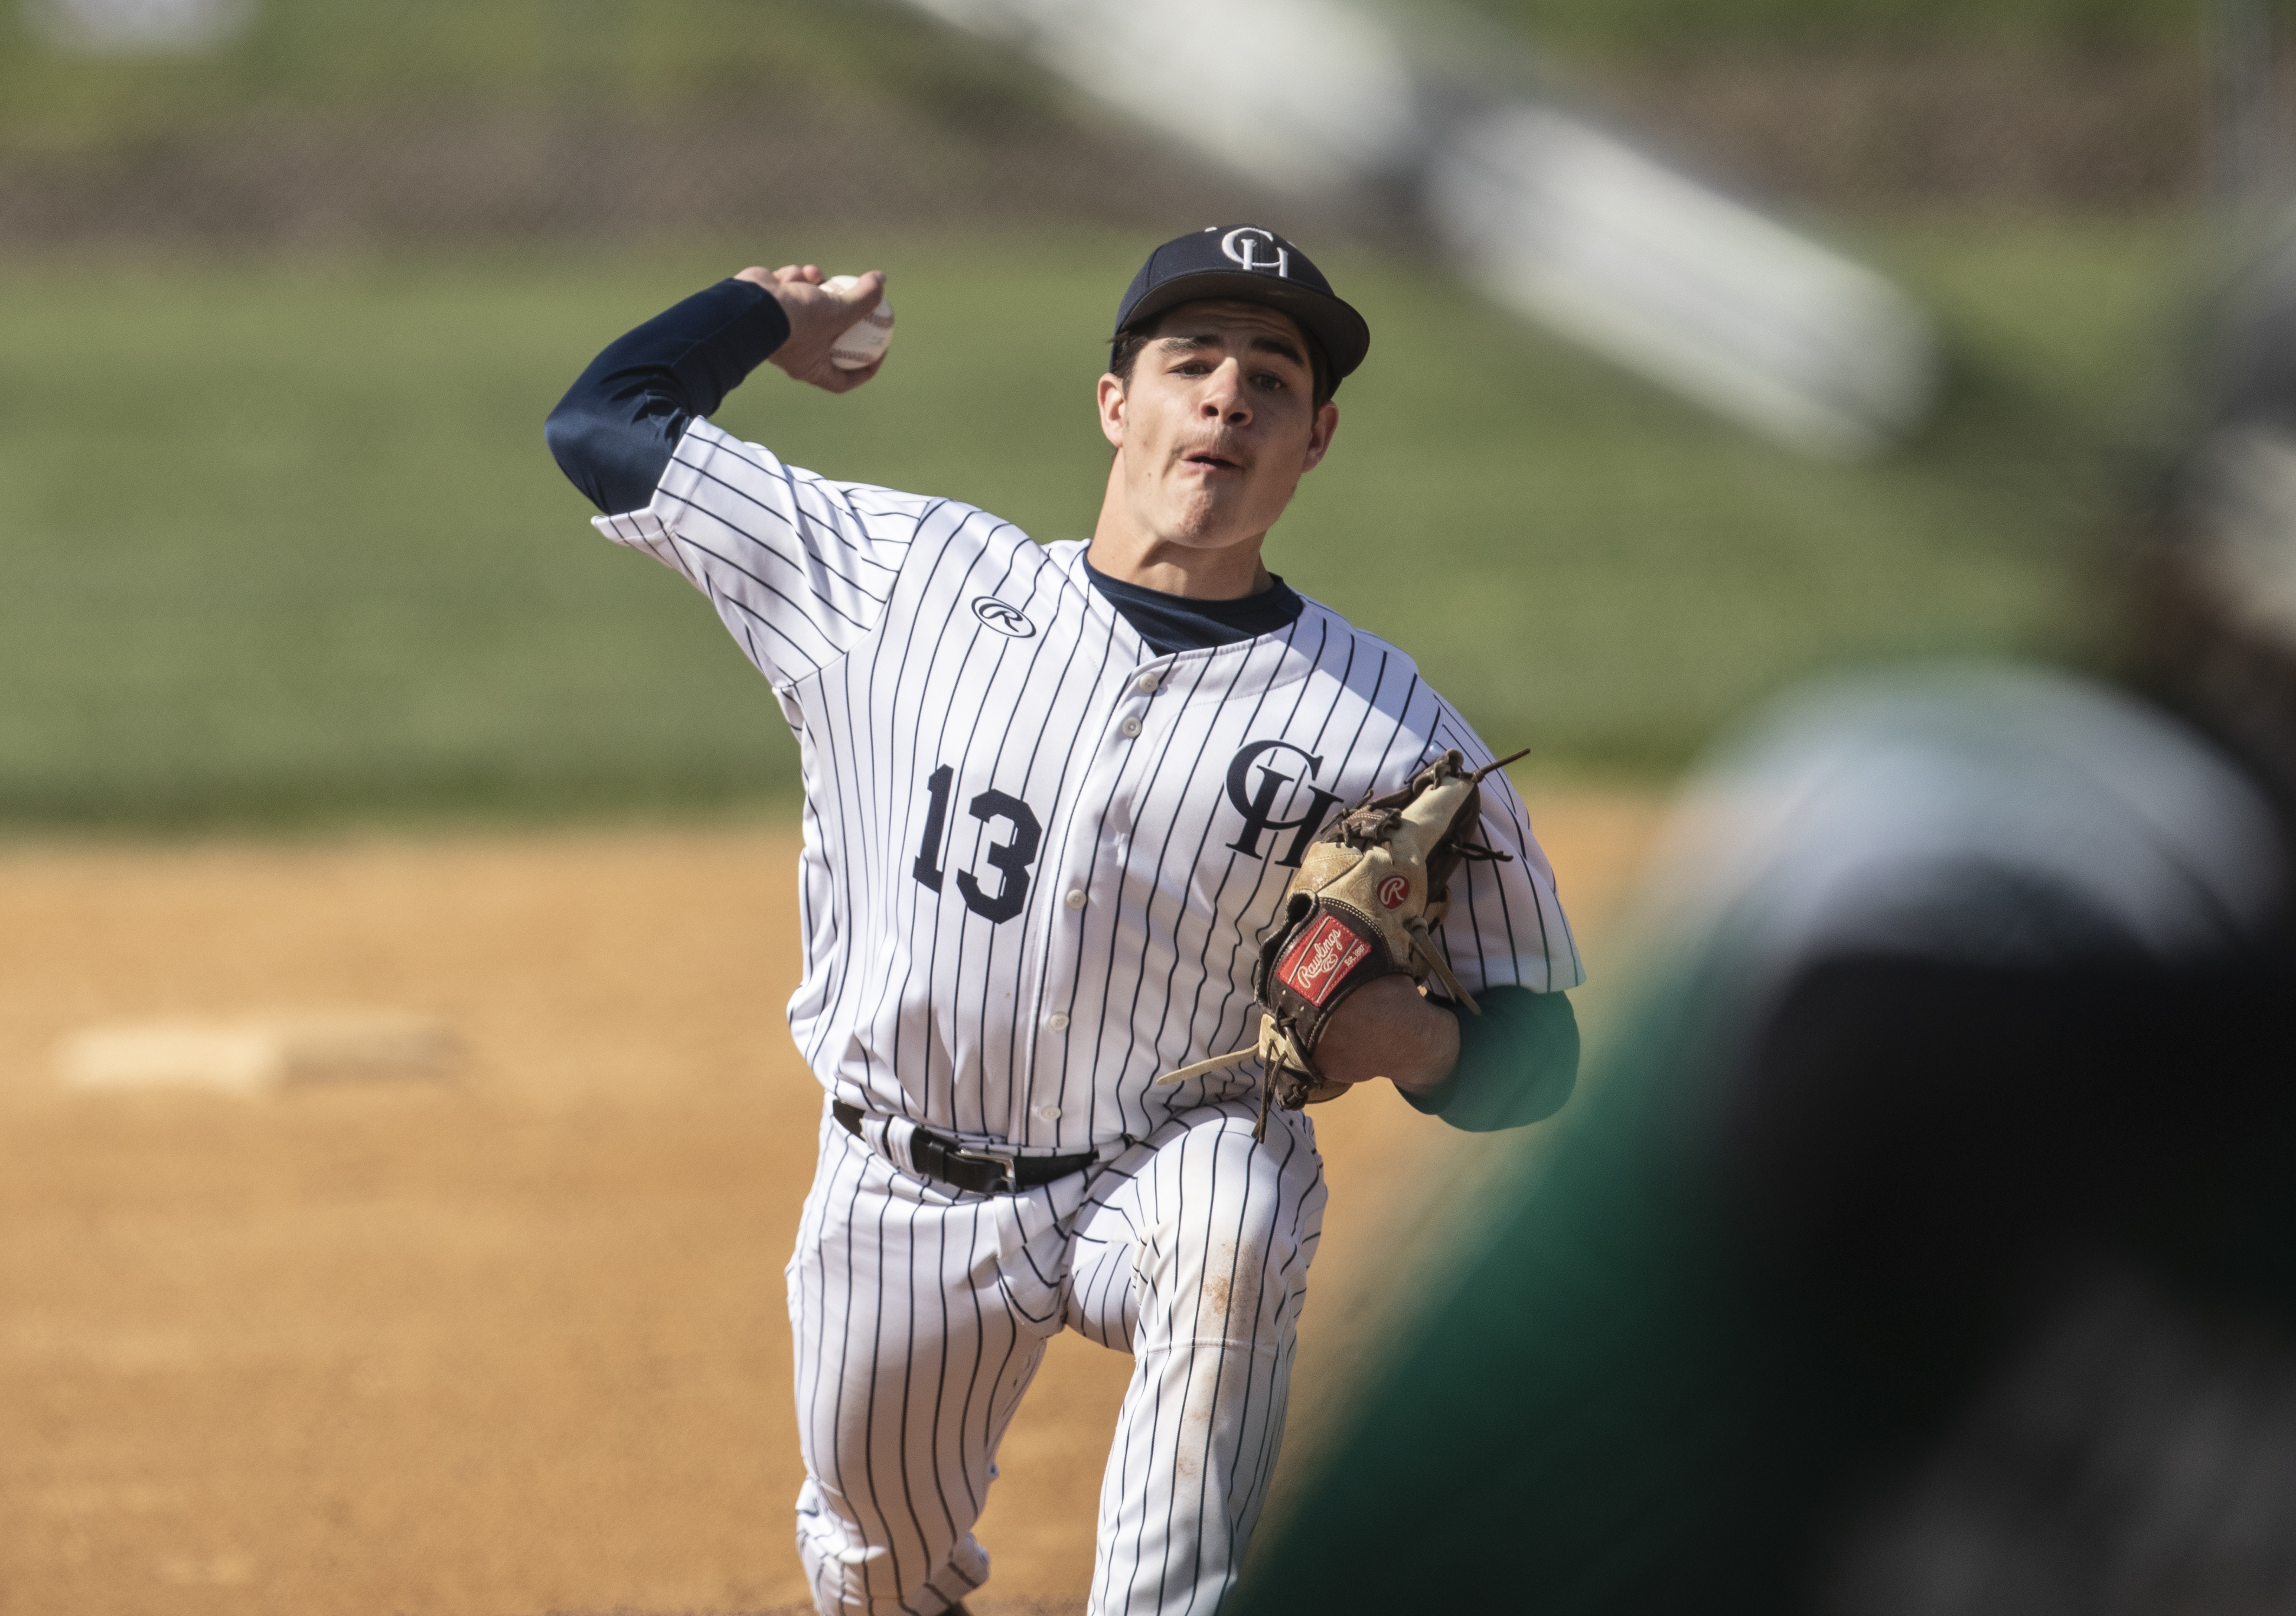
x=512, y=1340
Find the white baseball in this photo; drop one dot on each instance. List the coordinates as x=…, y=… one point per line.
x=863, y=344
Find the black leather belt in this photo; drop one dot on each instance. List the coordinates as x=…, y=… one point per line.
x=983, y=1172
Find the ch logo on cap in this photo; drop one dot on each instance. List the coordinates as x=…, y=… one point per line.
x=1243, y=246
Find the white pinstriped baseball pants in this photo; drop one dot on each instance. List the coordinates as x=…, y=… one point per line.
x=921, y=1314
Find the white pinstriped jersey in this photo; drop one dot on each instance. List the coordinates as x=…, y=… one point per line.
x=1039, y=855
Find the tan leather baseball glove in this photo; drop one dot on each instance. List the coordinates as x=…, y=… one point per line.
x=1368, y=895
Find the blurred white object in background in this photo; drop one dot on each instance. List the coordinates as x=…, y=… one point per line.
x=1564, y=222
x=2248, y=479
x=1558, y=221
x=1299, y=95
x=126, y=26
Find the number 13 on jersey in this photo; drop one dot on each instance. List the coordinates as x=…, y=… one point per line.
x=1009, y=858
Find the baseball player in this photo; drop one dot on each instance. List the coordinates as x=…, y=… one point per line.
x=1093, y=898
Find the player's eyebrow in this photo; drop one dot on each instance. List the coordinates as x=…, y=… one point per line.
x=1262, y=342
x=1280, y=345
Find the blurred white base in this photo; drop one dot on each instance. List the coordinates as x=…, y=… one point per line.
x=256, y=1054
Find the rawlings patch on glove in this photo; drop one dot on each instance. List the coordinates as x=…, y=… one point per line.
x=1368, y=895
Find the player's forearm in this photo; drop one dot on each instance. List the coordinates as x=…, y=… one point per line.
x=1385, y=1029
x=614, y=433
x=1518, y=1063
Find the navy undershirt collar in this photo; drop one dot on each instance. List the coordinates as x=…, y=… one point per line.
x=1178, y=622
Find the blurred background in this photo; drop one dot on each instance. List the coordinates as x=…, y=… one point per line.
x=1716, y=343
x=286, y=287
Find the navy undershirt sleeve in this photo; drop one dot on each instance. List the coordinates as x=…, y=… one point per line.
x=1178, y=622
x=614, y=433
x=1518, y=1063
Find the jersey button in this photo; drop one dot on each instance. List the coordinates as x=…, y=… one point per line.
x=1130, y=727
x=1050, y=1113
x=1058, y=1021
x=1147, y=683
x=1076, y=899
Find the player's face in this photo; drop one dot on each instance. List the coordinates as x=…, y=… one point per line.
x=1217, y=425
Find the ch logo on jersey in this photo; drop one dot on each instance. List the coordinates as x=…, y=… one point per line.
x=1004, y=618
x=1393, y=891
x=1261, y=800
x=1319, y=958
x=1243, y=247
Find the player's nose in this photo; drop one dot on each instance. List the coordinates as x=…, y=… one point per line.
x=1224, y=397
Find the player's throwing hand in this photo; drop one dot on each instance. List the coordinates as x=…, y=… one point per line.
x=817, y=317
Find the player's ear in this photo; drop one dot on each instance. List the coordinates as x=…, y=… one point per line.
x=1319, y=436
x=1112, y=410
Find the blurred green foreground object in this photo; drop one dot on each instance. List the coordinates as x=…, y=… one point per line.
x=281, y=543
x=1925, y=1243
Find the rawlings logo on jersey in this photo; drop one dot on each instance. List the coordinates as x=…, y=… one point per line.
x=1313, y=965
x=1004, y=618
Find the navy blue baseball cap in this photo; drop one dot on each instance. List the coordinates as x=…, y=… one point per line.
x=1251, y=263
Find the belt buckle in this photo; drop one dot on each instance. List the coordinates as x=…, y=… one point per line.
x=1004, y=1160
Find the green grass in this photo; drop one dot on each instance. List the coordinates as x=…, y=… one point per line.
x=640, y=57
x=401, y=60
x=281, y=542
x=1640, y=26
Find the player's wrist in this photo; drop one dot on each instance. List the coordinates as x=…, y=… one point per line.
x=1437, y=1037
x=1385, y=1029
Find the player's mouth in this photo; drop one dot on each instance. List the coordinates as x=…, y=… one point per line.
x=1211, y=460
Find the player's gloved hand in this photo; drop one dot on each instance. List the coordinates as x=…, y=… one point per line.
x=817, y=317
x=1363, y=907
